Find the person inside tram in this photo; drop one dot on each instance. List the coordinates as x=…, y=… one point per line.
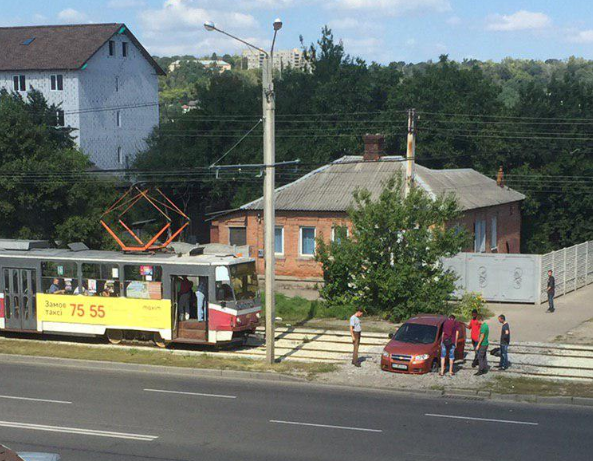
x=55, y=289
x=185, y=290
x=81, y=290
x=108, y=291
x=202, y=298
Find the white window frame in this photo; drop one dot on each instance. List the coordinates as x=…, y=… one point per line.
x=334, y=232
x=282, y=237
x=301, y=241
x=120, y=155
x=21, y=83
x=60, y=112
x=112, y=48
x=480, y=230
x=125, y=49
x=118, y=119
x=54, y=79
x=494, y=232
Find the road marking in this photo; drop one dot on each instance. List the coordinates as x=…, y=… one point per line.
x=79, y=431
x=192, y=393
x=483, y=419
x=12, y=397
x=326, y=426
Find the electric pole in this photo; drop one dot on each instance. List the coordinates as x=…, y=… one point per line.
x=269, y=117
x=269, y=109
x=411, y=151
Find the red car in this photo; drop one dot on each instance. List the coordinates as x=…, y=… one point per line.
x=416, y=346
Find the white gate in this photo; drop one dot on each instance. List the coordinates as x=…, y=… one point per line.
x=522, y=278
x=499, y=277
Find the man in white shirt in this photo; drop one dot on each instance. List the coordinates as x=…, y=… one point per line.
x=355, y=331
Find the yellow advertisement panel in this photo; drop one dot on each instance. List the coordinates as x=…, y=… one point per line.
x=135, y=314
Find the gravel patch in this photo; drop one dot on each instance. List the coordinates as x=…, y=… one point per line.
x=370, y=375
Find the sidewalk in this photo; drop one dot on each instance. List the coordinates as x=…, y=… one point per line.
x=531, y=323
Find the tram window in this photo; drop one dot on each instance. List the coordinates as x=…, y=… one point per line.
x=224, y=292
x=244, y=281
x=101, y=280
x=59, y=278
x=143, y=282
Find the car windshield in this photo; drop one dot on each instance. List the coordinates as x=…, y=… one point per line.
x=416, y=333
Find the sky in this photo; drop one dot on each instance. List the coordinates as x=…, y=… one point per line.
x=375, y=30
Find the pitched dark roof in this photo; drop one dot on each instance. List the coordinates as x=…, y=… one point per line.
x=59, y=47
x=330, y=187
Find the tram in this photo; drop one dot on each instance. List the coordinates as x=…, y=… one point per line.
x=166, y=297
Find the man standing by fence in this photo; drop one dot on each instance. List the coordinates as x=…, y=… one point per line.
x=505, y=341
x=551, y=291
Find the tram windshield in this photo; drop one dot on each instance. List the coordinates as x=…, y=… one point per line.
x=244, y=281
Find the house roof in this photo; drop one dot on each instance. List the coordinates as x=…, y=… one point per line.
x=330, y=187
x=66, y=47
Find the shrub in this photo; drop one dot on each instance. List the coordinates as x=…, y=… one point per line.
x=468, y=303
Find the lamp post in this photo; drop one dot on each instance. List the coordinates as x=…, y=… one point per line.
x=269, y=116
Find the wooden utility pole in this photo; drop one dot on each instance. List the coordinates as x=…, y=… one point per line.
x=411, y=151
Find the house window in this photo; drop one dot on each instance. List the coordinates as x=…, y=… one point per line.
x=124, y=49
x=238, y=236
x=111, y=48
x=494, y=233
x=118, y=118
x=279, y=240
x=480, y=236
x=116, y=84
x=307, y=241
x=20, y=83
x=120, y=155
x=60, y=121
x=339, y=233
x=57, y=82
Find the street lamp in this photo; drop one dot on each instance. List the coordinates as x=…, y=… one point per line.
x=269, y=116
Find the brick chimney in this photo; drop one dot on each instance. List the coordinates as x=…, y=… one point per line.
x=373, y=147
x=500, y=177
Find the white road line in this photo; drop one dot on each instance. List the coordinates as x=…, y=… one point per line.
x=483, y=419
x=12, y=397
x=326, y=426
x=78, y=431
x=192, y=393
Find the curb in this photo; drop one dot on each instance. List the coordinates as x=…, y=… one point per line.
x=140, y=368
x=263, y=376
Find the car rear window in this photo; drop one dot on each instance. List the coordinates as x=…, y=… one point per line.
x=416, y=333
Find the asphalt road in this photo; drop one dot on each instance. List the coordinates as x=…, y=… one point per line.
x=114, y=416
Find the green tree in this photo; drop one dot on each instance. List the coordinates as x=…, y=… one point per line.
x=45, y=192
x=390, y=264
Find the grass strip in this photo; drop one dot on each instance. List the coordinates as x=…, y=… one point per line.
x=39, y=348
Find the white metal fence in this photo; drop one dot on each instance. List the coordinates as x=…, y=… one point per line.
x=522, y=278
x=572, y=268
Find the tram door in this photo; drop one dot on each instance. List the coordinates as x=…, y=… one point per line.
x=20, y=293
x=189, y=298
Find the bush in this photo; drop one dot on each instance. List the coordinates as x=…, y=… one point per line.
x=297, y=309
x=468, y=303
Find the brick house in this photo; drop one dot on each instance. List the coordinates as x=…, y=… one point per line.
x=315, y=206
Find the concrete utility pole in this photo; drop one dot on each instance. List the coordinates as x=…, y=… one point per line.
x=411, y=151
x=269, y=116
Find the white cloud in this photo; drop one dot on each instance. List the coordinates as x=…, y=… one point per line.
x=393, y=7
x=583, y=36
x=72, y=16
x=178, y=28
x=453, y=21
x=410, y=42
x=123, y=4
x=521, y=20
